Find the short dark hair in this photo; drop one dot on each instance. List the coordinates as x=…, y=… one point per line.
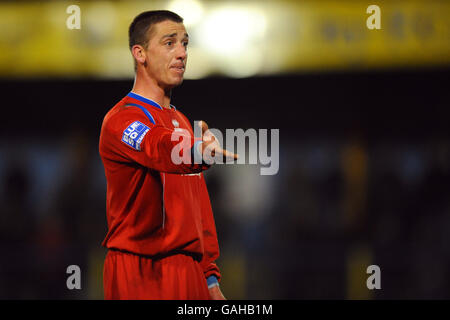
x=138, y=31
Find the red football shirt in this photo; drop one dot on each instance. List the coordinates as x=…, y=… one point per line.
x=154, y=206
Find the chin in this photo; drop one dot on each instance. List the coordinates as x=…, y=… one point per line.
x=176, y=83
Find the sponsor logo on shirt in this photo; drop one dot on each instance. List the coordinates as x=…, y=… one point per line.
x=134, y=134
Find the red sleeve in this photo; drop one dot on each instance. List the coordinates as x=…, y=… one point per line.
x=151, y=146
x=211, y=245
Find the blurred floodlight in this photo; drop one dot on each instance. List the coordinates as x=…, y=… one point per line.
x=249, y=63
x=190, y=10
x=100, y=20
x=229, y=31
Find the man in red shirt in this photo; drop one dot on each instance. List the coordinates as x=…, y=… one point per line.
x=161, y=240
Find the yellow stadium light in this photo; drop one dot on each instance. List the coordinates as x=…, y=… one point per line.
x=229, y=31
x=190, y=10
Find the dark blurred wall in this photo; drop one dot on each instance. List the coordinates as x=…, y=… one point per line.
x=364, y=179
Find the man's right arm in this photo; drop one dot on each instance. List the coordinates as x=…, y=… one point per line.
x=131, y=137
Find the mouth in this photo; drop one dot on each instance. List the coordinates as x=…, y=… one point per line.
x=178, y=69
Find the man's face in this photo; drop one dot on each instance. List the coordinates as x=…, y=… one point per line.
x=166, y=53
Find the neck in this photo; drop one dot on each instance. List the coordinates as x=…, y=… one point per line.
x=150, y=89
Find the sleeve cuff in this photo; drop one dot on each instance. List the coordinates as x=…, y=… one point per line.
x=212, y=281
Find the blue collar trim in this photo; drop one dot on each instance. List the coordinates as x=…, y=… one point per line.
x=145, y=100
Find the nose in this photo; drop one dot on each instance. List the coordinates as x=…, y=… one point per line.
x=181, y=53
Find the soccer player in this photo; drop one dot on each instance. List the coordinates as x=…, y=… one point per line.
x=161, y=240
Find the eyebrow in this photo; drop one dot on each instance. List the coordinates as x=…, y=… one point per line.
x=172, y=35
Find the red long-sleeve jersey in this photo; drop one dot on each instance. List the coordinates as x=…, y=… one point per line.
x=154, y=206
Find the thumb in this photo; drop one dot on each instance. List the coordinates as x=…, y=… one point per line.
x=202, y=124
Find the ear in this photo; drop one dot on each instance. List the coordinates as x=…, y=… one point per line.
x=138, y=53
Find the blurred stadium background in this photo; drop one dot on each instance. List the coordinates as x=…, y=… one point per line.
x=364, y=143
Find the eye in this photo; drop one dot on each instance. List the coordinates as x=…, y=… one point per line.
x=169, y=43
x=185, y=43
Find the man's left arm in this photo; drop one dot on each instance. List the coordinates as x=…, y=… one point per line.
x=211, y=245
